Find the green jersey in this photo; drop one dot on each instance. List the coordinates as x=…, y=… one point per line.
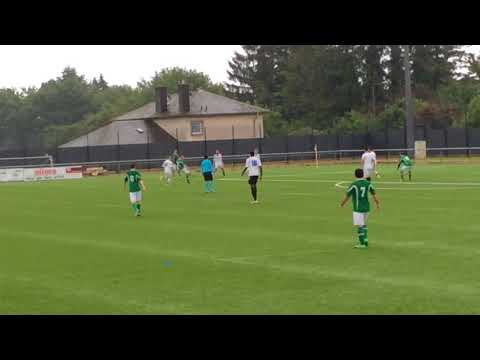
x=359, y=190
x=405, y=161
x=133, y=177
x=180, y=164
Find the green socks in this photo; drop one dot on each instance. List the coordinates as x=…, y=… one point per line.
x=136, y=208
x=363, y=235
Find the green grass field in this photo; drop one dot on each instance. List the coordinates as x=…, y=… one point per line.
x=74, y=246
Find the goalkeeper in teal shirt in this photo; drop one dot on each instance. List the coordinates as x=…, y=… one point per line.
x=207, y=171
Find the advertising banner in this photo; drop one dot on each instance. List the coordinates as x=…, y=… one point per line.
x=52, y=173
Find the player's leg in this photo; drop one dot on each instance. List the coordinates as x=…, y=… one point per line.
x=368, y=174
x=133, y=202
x=359, y=222
x=409, y=175
x=207, y=177
x=365, y=229
x=138, y=202
x=223, y=170
x=253, y=187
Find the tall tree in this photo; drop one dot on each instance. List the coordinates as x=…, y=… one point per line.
x=433, y=66
x=394, y=72
x=64, y=100
x=171, y=77
x=373, y=74
x=257, y=76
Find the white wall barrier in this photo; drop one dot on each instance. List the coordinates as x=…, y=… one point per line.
x=39, y=174
x=11, y=175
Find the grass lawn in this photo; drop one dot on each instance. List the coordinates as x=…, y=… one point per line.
x=74, y=246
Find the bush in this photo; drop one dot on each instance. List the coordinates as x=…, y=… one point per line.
x=474, y=112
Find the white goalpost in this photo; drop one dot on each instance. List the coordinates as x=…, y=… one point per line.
x=26, y=161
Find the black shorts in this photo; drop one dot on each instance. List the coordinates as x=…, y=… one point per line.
x=252, y=180
x=208, y=176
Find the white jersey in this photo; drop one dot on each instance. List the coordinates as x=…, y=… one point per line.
x=168, y=166
x=218, y=160
x=253, y=165
x=369, y=159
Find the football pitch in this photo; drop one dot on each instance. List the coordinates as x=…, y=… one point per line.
x=74, y=246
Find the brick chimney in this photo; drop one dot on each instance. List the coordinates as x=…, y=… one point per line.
x=183, y=98
x=161, y=99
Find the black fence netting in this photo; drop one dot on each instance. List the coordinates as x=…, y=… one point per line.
x=336, y=143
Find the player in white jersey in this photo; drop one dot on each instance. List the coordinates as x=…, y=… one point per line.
x=168, y=169
x=257, y=153
x=218, y=161
x=369, y=163
x=254, y=167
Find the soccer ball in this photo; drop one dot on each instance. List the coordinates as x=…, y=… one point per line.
x=377, y=175
x=140, y=131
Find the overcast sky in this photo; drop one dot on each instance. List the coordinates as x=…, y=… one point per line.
x=30, y=65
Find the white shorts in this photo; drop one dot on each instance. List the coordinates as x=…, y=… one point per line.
x=367, y=172
x=135, y=197
x=404, y=168
x=219, y=165
x=360, y=219
x=168, y=174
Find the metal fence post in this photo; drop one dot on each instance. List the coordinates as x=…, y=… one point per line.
x=88, y=150
x=445, y=135
x=148, y=146
x=118, y=151
x=467, y=138
x=233, y=146
x=286, y=148
x=205, y=140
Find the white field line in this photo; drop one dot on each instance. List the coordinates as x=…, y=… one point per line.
x=376, y=182
x=287, y=180
x=289, y=255
x=298, y=270
x=342, y=185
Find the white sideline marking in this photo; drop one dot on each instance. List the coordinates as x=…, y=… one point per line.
x=290, y=254
x=286, y=180
x=461, y=185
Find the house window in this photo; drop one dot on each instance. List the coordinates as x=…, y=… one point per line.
x=197, y=127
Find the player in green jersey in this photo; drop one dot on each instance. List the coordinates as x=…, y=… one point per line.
x=359, y=191
x=182, y=167
x=405, y=165
x=134, y=181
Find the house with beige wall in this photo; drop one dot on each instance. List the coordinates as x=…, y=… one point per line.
x=186, y=116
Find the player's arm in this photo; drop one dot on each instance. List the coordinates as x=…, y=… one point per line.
x=345, y=200
x=143, y=185
x=399, y=163
x=125, y=182
x=374, y=195
x=348, y=194
x=245, y=169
